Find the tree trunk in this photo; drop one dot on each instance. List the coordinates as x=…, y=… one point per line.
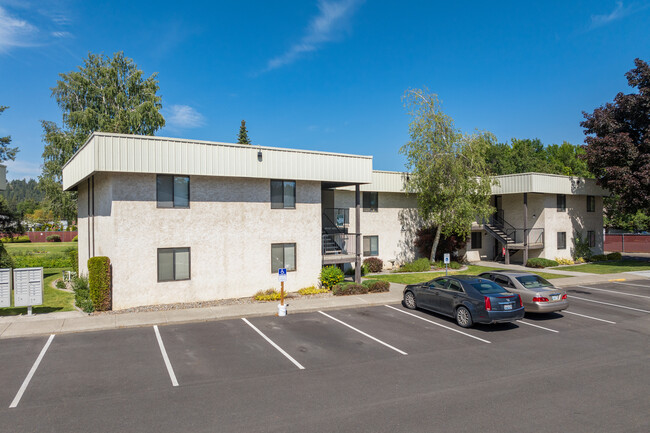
x=435, y=245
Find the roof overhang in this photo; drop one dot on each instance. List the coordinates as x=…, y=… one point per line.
x=121, y=153
x=543, y=183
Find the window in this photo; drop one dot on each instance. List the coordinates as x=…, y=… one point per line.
x=173, y=191
x=371, y=245
x=283, y=256
x=283, y=194
x=455, y=287
x=477, y=240
x=561, y=240
x=561, y=202
x=173, y=264
x=591, y=237
x=591, y=203
x=370, y=201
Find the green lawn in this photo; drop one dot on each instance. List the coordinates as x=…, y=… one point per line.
x=53, y=299
x=613, y=267
x=414, y=278
x=48, y=247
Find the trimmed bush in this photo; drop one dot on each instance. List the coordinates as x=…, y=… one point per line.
x=614, y=256
x=598, y=258
x=60, y=284
x=344, y=289
x=376, y=286
x=373, y=264
x=419, y=265
x=17, y=239
x=99, y=282
x=538, y=262
x=53, y=238
x=330, y=276
x=82, y=294
x=267, y=295
x=311, y=290
x=75, y=239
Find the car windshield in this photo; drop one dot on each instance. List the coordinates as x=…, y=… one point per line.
x=533, y=282
x=488, y=287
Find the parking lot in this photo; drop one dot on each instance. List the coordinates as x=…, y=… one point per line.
x=382, y=368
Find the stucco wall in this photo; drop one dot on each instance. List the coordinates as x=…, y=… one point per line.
x=229, y=227
x=395, y=223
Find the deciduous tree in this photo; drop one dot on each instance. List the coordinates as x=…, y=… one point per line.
x=618, y=142
x=447, y=168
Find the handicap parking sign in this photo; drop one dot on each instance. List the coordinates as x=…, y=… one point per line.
x=282, y=274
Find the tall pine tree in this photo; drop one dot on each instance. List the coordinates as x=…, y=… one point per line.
x=242, y=138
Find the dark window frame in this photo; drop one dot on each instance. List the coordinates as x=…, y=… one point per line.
x=561, y=202
x=367, y=206
x=174, y=250
x=173, y=206
x=284, y=262
x=591, y=238
x=561, y=245
x=479, y=236
x=370, y=246
x=274, y=205
x=591, y=203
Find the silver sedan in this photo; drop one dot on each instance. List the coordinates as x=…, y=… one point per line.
x=537, y=294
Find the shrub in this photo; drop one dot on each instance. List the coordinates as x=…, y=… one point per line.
x=419, y=265
x=312, y=290
x=374, y=264
x=53, y=238
x=99, y=282
x=376, y=286
x=598, y=258
x=267, y=295
x=60, y=284
x=614, y=256
x=75, y=239
x=538, y=262
x=579, y=260
x=17, y=239
x=73, y=256
x=82, y=294
x=563, y=261
x=344, y=289
x=31, y=259
x=330, y=276
x=6, y=261
x=451, y=265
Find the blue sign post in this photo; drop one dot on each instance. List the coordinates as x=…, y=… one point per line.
x=282, y=277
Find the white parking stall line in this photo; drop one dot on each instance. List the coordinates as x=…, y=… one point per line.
x=168, y=364
x=614, y=291
x=23, y=387
x=647, y=286
x=589, y=317
x=363, y=333
x=609, y=303
x=279, y=349
x=537, y=326
x=438, y=324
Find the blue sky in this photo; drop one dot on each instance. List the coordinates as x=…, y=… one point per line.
x=329, y=74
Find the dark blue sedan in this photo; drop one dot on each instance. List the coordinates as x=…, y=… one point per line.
x=467, y=298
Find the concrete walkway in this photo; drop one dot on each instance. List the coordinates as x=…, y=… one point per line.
x=75, y=321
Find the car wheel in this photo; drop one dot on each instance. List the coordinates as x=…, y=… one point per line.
x=463, y=317
x=409, y=301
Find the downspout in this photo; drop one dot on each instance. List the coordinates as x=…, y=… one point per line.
x=88, y=215
x=357, y=229
x=93, y=182
x=525, y=228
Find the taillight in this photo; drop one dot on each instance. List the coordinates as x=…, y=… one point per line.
x=564, y=296
x=540, y=299
x=488, y=304
x=521, y=304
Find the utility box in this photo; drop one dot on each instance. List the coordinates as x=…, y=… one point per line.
x=28, y=287
x=5, y=288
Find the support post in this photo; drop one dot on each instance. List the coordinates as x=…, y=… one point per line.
x=357, y=229
x=525, y=228
x=507, y=255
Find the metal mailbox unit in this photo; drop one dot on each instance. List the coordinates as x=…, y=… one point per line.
x=28, y=287
x=5, y=288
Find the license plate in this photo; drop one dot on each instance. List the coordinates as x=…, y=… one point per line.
x=555, y=297
x=507, y=307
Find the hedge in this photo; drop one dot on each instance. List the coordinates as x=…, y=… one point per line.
x=614, y=256
x=373, y=264
x=17, y=239
x=53, y=238
x=29, y=259
x=538, y=262
x=99, y=282
x=376, y=286
x=81, y=294
x=343, y=289
x=420, y=265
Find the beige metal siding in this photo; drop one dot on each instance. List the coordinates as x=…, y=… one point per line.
x=3, y=177
x=384, y=181
x=138, y=154
x=546, y=184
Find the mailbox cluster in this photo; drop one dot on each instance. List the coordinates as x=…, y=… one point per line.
x=27, y=286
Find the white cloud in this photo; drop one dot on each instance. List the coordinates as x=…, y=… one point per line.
x=15, y=32
x=62, y=34
x=619, y=12
x=327, y=26
x=184, y=116
x=22, y=169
